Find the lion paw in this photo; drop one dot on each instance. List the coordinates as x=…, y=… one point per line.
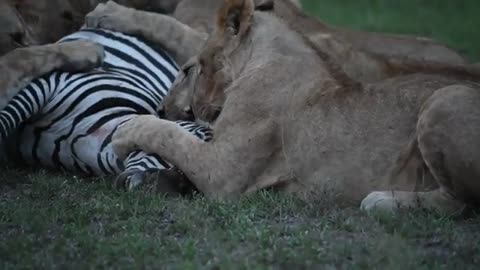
x=379, y=201
x=81, y=55
x=111, y=16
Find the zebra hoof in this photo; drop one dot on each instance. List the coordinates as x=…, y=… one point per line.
x=169, y=182
x=130, y=180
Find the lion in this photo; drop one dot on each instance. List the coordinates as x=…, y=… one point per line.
x=22, y=65
x=47, y=21
x=368, y=56
x=198, y=15
x=34, y=22
x=412, y=47
x=404, y=142
x=185, y=34
x=22, y=59
x=14, y=33
x=184, y=41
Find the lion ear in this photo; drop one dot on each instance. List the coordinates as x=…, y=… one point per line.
x=235, y=16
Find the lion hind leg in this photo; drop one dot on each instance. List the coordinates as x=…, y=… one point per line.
x=448, y=132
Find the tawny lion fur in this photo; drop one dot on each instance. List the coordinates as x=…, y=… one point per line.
x=34, y=22
x=45, y=21
x=20, y=66
x=362, y=55
x=408, y=141
x=198, y=14
x=186, y=40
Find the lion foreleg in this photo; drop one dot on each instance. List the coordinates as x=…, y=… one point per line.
x=210, y=166
x=20, y=66
x=180, y=40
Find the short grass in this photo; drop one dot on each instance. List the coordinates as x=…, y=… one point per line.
x=50, y=221
x=53, y=221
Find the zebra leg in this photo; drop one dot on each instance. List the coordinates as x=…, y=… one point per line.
x=142, y=169
x=138, y=166
x=19, y=67
x=150, y=172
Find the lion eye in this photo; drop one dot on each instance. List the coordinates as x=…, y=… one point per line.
x=186, y=70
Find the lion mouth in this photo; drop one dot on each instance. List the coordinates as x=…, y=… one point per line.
x=204, y=123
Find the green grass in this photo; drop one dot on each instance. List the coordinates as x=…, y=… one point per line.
x=57, y=221
x=454, y=23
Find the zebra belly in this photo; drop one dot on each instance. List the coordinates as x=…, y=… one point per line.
x=74, y=148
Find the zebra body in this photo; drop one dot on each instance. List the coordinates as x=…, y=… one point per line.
x=65, y=120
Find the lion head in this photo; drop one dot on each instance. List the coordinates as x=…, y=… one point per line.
x=29, y=22
x=199, y=89
x=14, y=32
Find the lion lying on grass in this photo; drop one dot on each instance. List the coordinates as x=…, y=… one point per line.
x=286, y=117
x=34, y=22
x=367, y=51
x=198, y=14
x=415, y=48
x=362, y=55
